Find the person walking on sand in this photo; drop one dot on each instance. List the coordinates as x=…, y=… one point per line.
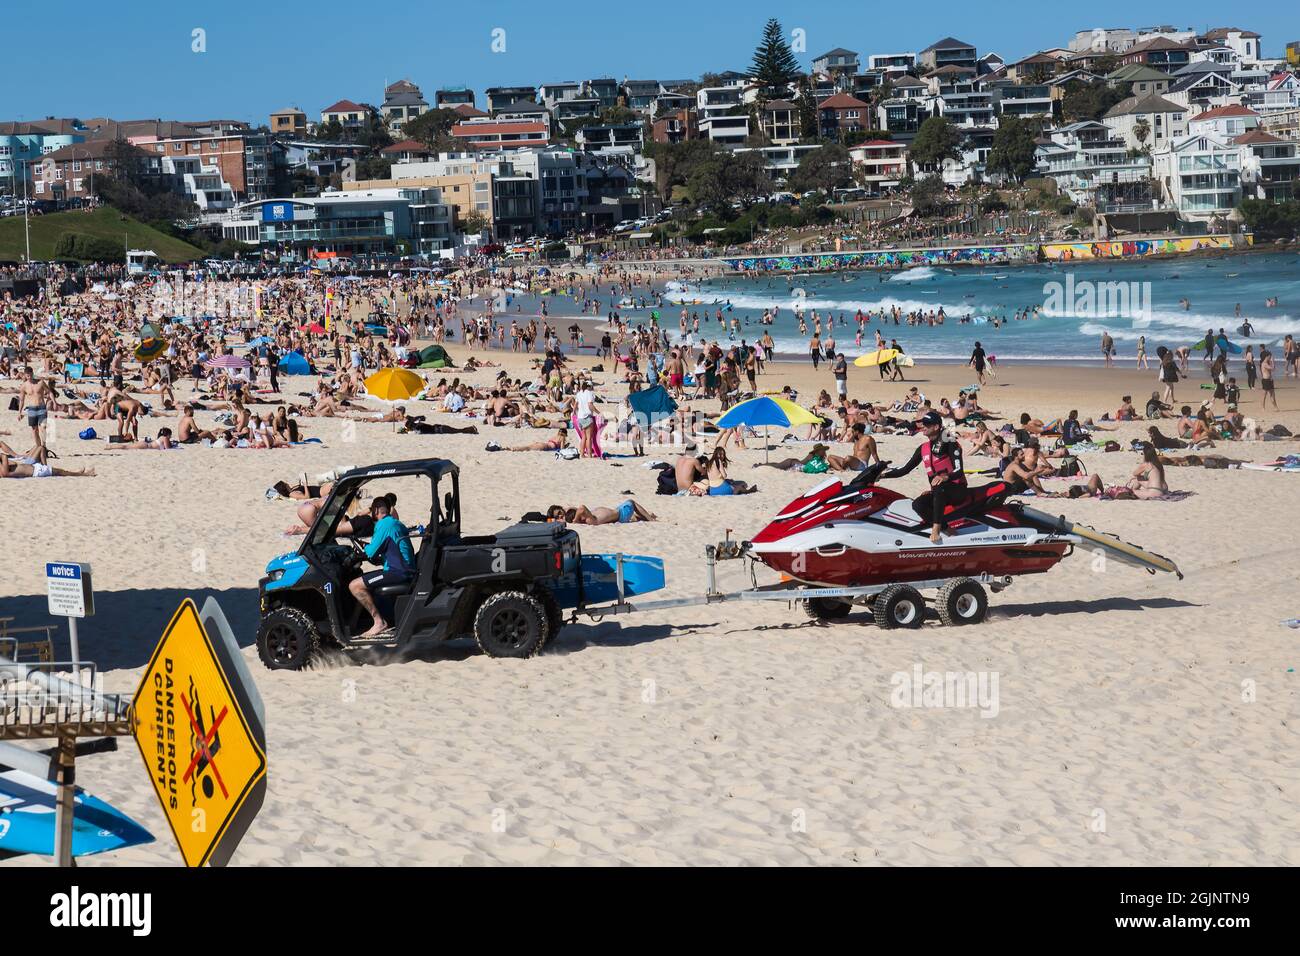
x=1266, y=376
x=1142, y=352
x=977, y=362
x=1107, y=349
x=1168, y=376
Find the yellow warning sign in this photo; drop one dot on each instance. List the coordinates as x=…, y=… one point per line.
x=202, y=741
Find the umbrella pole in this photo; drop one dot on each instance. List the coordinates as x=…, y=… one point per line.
x=767, y=449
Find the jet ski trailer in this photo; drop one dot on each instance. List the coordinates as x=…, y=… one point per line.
x=958, y=598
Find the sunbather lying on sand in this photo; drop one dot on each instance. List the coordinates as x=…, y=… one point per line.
x=35, y=468
x=626, y=513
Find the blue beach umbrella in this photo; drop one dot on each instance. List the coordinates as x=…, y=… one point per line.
x=765, y=410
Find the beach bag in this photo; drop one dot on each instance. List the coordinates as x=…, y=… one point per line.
x=1280, y=430
x=86, y=434
x=1111, y=446
x=666, y=483
x=817, y=466
x=567, y=454
x=1071, y=467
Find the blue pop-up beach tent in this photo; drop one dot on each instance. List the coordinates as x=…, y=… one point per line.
x=294, y=364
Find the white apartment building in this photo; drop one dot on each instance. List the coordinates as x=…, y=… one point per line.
x=1162, y=120
x=1200, y=174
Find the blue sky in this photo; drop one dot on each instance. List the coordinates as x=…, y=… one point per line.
x=134, y=60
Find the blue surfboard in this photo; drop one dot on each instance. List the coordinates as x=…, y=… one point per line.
x=642, y=574
x=27, y=816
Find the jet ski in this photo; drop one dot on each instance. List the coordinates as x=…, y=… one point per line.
x=855, y=534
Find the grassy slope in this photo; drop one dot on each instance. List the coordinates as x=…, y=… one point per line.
x=104, y=222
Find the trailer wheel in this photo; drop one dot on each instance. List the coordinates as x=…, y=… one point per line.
x=826, y=609
x=899, y=605
x=287, y=639
x=962, y=602
x=510, y=624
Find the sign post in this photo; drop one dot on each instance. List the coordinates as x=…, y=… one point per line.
x=69, y=593
x=200, y=727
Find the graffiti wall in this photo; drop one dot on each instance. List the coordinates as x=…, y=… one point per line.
x=1133, y=248
x=982, y=255
x=887, y=258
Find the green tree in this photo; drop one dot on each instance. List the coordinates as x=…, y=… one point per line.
x=1141, y=130
x=1269, y=220
x=826, y=169
x=721, y=179
x=774, y=64
x=330, y=132
x=1105, y=64
x=675, y=163
x=473, y=224
x=432, y=126
x=929, y=196
x=1012, y=153
x=374, y=167
x=1089, y=101
x=808, y=119
x=935, y=141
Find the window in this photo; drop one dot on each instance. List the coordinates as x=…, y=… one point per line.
x=76, y=185
x=76, y=165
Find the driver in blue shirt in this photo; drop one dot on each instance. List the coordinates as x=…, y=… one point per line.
x=390, y=545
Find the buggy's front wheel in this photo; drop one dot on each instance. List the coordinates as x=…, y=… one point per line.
x=287, y=639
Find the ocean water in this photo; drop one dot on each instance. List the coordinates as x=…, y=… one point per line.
x=1077, y=301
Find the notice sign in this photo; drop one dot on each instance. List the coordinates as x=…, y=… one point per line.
x=67, y=586
x=199, y=730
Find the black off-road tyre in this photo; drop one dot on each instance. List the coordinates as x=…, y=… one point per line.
x=287, y=639
x=826, y=609
x=554, y=615
x=962, y=602
x=510, y=624
x=899, y=605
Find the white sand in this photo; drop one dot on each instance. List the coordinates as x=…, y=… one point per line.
x=736, y=733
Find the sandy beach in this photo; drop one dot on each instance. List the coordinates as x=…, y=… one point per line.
x=1138, y=720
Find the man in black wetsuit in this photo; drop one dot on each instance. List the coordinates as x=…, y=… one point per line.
x=943, y=466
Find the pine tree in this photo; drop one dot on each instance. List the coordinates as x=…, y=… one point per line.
x=774, y=63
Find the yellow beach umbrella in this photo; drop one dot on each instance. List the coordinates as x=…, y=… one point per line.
x=766, y=410
x=394, y=384
x=149, y=349
x=878, y=357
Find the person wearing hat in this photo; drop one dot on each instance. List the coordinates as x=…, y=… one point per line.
x=943, y=466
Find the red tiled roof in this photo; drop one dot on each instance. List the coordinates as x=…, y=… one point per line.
x=842, y=101
x=466, y=110
x=880, y=142
x=407, y=146
x=1257, y=136
x=1221, y=111
x=343, y=106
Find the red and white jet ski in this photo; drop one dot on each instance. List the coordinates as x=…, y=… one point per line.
x=856, y=534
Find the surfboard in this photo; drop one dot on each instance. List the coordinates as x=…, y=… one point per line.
x=27, y=816
x=878, y=357
x=642, y=574
x=1231, y=347
x=905, y=360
